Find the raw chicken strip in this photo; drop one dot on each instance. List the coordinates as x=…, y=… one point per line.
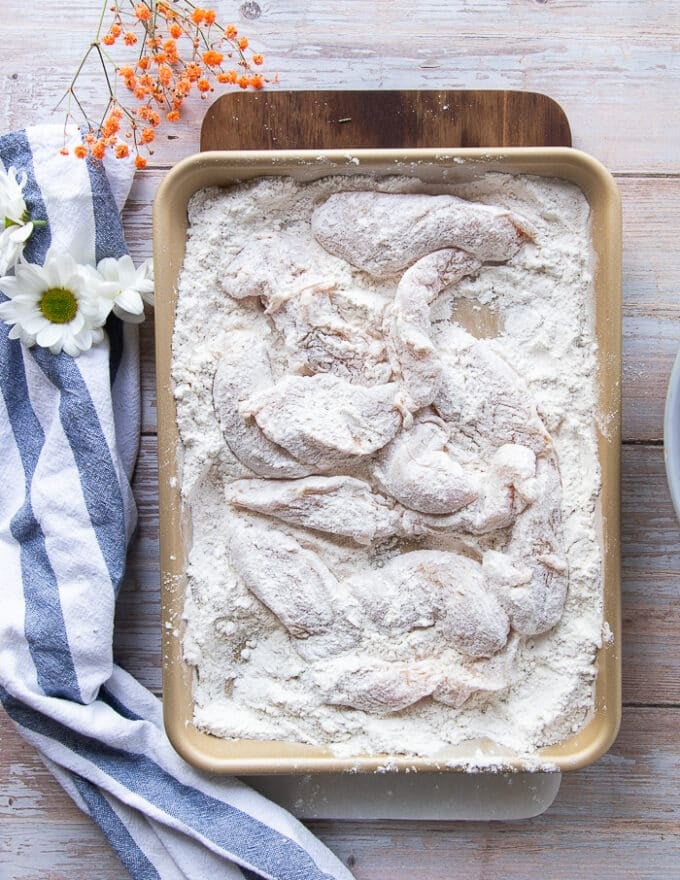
x=324, y=329
x=458, y=683
x=323, y=420
x=535, y=595
x=432, y=588
x=507, y=485
x=338, y=505
x=373, y=685
x=273, y=268
x=335, y=331
x=243, y=370
x=383, y=233
x=383, y=687
x=415, y=358
x=423, y=472
x=291, y=581
x=505, y=414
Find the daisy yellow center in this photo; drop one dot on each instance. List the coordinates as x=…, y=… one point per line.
x=58, y=305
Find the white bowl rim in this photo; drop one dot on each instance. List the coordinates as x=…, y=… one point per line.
x=671, y=435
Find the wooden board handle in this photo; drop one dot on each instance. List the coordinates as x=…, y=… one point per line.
x=280, y=120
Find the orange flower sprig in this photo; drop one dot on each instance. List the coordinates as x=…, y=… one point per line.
x=179, y=49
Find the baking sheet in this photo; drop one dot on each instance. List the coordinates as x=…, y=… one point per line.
x=170, y=226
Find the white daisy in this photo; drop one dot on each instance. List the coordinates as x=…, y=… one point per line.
x=17, y=226
x=57, y=306
x=134, y=287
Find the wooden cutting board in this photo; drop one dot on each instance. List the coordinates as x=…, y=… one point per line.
x=280, y=120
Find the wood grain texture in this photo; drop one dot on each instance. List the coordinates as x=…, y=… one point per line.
x=614, y=66
x=650, y=543
x=311, y=120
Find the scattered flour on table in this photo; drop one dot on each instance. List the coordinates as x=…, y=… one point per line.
x=535, y=311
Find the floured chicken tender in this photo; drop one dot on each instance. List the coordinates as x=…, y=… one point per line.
x=324, y=420
x=384, y=233
x=342, y=506
x=390, y=532
x=243, y=370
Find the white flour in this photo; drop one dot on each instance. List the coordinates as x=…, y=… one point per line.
x=534, y=311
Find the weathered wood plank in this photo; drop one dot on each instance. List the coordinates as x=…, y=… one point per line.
x=650, y=578
x=650, y=345
x=614, y=67
x=43, y=835
x=618, y=818
x=651, y=329
x=616, y=851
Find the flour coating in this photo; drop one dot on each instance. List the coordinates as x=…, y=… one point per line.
x=394, y=519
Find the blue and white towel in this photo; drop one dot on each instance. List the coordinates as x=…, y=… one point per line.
x=69, y=431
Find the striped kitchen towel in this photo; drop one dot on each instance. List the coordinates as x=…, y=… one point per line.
x=69, y=430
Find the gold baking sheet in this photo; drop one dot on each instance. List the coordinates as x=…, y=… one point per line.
x=169, y=235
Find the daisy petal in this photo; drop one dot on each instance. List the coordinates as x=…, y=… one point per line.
x=51, y=334
x=130, y=301
x=129, y=317
x=22, y=233
x=34, y=323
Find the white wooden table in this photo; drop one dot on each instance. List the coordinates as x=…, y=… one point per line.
x=614, y=65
